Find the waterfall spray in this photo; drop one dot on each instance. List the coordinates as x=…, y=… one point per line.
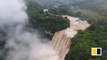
x=22, y=44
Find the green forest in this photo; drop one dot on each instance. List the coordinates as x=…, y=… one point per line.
x=95, y=12
x=95, y=36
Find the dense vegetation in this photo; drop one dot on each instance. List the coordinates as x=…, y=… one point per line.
x=44, y=21
x=95, y=12
x=82, y=43
x=95, y=36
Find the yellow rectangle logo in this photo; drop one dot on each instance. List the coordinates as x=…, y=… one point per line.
x=96, y=51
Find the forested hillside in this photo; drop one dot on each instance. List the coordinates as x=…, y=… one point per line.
x=44, y=21
x=94, y=11
x=95, y=36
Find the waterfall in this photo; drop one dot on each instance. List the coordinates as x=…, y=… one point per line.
x=61, y=44
x=61, y=40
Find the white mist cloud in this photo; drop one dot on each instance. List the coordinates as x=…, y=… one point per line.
x=23, y=45
x=12, y=12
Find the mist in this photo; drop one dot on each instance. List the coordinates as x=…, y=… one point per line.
x=22, y=44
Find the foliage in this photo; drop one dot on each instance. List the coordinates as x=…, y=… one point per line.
x=95, y=12
x=45, y=21
x=82, y=43
x=95, y=36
